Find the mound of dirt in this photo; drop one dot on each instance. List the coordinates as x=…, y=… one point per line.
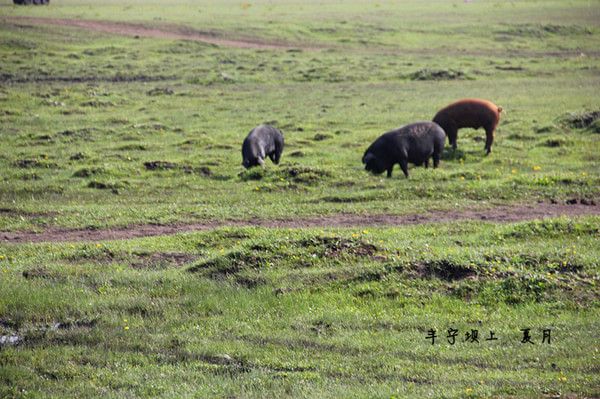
x=445, y=269
x=166, y=165
x=249, y=266
x=303, y=174
x=583, y=120
x=437, y=74
x=333, y=247
x=242, y=267
x=160, y=165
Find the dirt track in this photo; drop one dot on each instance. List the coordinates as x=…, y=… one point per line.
x=182, y=32
x=165, y=31
x=503, y=214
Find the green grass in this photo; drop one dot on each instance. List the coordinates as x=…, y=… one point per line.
x=100, y=130
x=84, y=111
x=345, y=312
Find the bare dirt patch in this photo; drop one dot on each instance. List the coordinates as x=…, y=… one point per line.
x=500, y=214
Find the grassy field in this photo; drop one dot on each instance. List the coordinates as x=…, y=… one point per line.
x=101, y=130
x=83, y=112
x=335, y=313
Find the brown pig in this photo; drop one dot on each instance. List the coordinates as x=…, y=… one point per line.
x=469, y=112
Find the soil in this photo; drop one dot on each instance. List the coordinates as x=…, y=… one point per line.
x=500, y=214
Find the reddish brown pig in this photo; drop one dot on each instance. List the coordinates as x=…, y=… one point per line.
x=469, y=112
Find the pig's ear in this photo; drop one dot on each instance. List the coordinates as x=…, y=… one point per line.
x=368, y=157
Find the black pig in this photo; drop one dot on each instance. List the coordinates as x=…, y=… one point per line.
x=414, y=143
x=262, y=141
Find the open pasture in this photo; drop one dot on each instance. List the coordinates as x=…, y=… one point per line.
x=128, y=115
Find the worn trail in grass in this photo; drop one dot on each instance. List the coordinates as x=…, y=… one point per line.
x=163, y=31
x=184, y=32
x=495, y=214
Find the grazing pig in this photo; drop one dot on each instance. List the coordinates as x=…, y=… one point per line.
x=262, y=141
x=414, y=143
x=470, y=112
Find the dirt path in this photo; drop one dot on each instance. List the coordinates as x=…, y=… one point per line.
x=182, y=32
x=164, y=31
x=503, y=214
